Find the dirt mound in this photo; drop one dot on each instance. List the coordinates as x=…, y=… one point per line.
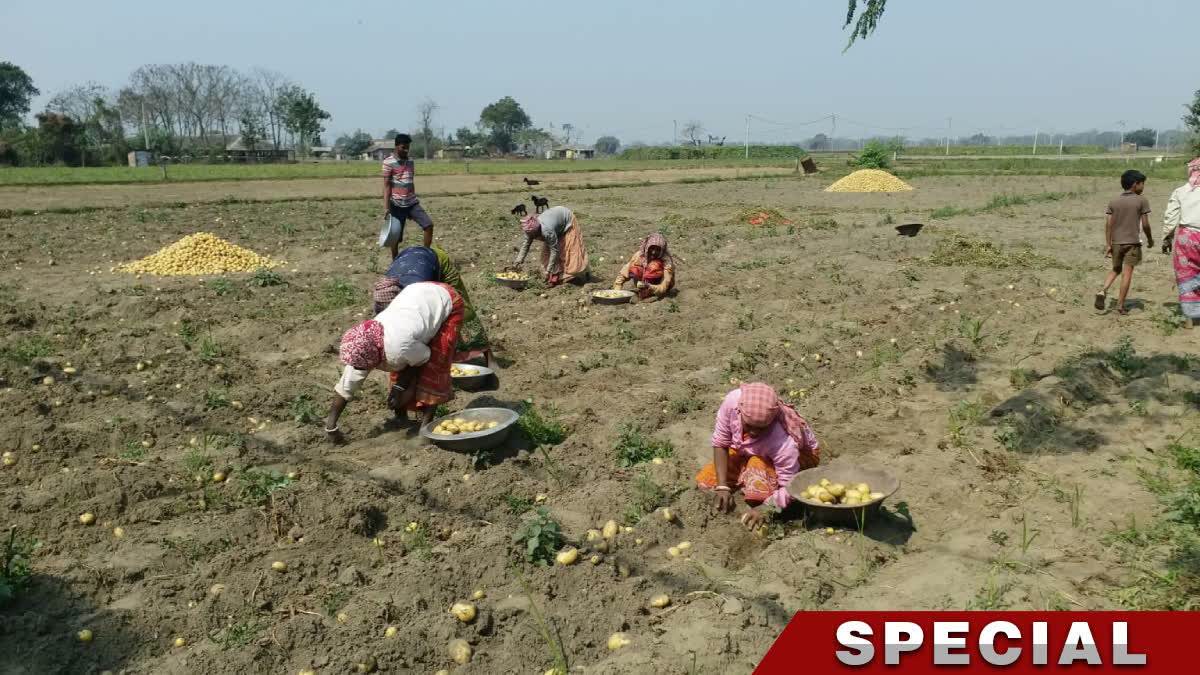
x=869, y=180
x=200, y=253
x=763, y=217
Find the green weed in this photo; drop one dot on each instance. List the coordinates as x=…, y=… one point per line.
x=264, y=277
x=539, y=538
x=304, y=410
x=336, y=294
x=1020, y=378
x=542, y=429
x=216, y=398
x=258, y=486
x=647, y=496
x=634, y=448
x=221, y=286
x=15, y=568
x=517, y=504
x=22, y=352
x=210, y=350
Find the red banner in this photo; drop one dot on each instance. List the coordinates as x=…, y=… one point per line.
x=1016, y=642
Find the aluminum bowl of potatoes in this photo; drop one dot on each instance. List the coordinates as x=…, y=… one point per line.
x=470, y=377
x=471, y=429
x=843, y=494
x=612, y=296
x=514, y=280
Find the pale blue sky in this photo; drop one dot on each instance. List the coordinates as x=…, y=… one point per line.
x=630, y=67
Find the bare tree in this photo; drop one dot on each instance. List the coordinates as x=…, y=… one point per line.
x=267, y=86
x=425, y=112
x=78, y=102
x=692, y=131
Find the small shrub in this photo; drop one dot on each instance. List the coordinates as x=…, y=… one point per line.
x=647, y=496
x=210, y=350
x=336, y=294
x=539, y=538
x=258, y=486
x=304, y=410
x=634, y=448
x=541, y=429
x=188, y=332
x=1020, y=378
x=1124, y=359
x=22, y=352
x=874, y=155
x=971, y=328
x=517, y=504
x=15, y=569
x=221, y=286
x=216, y=398
x=264, y=277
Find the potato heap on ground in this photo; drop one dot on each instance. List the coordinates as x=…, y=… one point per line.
x=458, y=425
x=200, y=253
x=828, y=492
x=869, y=180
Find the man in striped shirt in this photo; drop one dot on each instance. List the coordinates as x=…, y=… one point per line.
x=400, y=194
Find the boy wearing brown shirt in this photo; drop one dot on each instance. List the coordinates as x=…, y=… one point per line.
x=1124, y=246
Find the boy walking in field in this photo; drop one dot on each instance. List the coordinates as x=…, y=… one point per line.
x=1124, y=245
x=400, y=196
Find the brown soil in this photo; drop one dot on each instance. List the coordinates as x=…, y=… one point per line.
x=754, y=303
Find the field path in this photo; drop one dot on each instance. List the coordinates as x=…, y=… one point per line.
x=45, y=197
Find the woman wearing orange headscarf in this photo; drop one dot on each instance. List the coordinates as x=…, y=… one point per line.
x=651, y=268
x=564, y=257
x=759, y=444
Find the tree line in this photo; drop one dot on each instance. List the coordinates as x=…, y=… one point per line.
x=168, y=109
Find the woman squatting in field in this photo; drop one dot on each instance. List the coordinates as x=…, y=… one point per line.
x=414, y=340
x=759, y=444
x=651, y=268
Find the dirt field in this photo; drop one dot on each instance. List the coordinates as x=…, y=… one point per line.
x=49, y=197
x=1022, y=433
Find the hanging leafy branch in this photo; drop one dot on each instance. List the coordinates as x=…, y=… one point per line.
x=868, y=18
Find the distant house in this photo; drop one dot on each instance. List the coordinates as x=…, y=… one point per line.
x=140, y=158
x=571, y=152
x=321, y=150
x=380, y=149
x=452, y=152
x=263, y=151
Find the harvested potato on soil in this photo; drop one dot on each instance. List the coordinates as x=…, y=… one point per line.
x=463, y=611
x=512, y=276
x=460, y=652
x=617, y=641
x=610, y=529
x=87, y=518
x=567, y=556
x=659, y=601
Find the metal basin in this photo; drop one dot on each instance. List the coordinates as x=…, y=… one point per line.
x=848, y=474
x=476, y=440
x=477, y=380
x=624, y=297
x=515, y=284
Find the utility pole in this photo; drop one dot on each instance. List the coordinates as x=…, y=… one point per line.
x=833, y=131
x=1035, y=139
x=676, y=136
x=949, y=131
x=1060, y=145
x=1156, y=132
x=747, y=137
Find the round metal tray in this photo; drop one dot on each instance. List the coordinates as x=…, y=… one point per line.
x=477, y=440
x=625, y=297
x=515, y=284
x=480, y=377
x=848, y=474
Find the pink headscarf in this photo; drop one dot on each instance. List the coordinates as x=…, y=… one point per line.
x=1194, y=173
x=656, y=239
x=531, y=224
x=385, y=291
x=362, y=346
x=760, y=406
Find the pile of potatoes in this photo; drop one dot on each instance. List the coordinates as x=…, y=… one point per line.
x=456, y=371
x=828, y=492
x=458, y=425
x=512, y=276
x=610, y=294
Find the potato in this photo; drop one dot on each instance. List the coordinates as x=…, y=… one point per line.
x=852, y=500
x=478, y=595
x=659, y=601
x=463, y=611
x=180, y=642
x=84, y=635
x=87, y=518
x=567, y=556
x=390, y=632
x=863, y=487
x=342, y=617
x=837, y=489
x=492, y=425
x=617, y=641
x=673, y=552
x=876, y=495
x=825, y=496
x=814, y=489
x=668, y=515
x=601, y=546
x=610, y=529
x=684, y=545
x=118, y=532
x=279, y=566
x=460, y=651
x=596, y=560
x=824, y=482
x=593, y=535
x=218, y=477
